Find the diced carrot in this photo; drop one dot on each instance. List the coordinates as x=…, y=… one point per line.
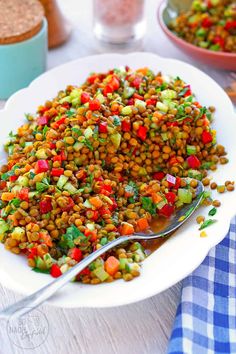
x=143, y=70
x=46, y=239
x=14, y=220
x=173, y=161
x=112, y=265
x=126, y=229
x=142, y=224
x=158, y=115
x=156, y=198
x=96, y=202
x=7, y=196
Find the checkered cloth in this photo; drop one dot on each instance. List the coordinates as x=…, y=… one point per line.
x=206, y=317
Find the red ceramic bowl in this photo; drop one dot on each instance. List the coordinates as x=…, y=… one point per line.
x=221, y=60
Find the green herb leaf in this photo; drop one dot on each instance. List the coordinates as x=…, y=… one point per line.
x=67, y=240
x=71, y=112
x=183, y=91
x=16, y=202
x=88, y=144
x=45, y=129
x=207, y=223
x=37, y=270
x=148, y=205
x=77, y=131
x=212, y=212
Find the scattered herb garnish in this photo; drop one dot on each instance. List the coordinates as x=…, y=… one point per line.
x=212, y=212
x=37, y=270
x=148, y=205
x=207, y=223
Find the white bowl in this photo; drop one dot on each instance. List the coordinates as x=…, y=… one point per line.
x=185, y=250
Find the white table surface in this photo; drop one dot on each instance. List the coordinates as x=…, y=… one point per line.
x=141, y=328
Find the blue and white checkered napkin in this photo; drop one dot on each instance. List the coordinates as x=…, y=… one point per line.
x=206, y=317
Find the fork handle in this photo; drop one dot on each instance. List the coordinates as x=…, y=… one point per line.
x=30, y=302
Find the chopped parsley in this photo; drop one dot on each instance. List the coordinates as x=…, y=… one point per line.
x=148, y=205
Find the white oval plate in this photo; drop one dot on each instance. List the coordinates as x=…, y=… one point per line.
x=185, y=250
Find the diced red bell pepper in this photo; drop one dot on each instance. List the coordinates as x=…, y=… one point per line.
x=206, y=137
x=159, y=175
x=139, y=97
x=13, y=178
x=24, y=194
x=170, y=196
x=41, y=166
x=172, y=124
x=104, y=211
x=142, y=132
x=59, y=122
x=91, y=79
x=151, y=102
x=76, y=254
x=219, y=40
x=70, y=204
x=45, y=206
x=63, y=156
x=114, y=205
x=188, y=92
x=130, y=101
x=102, y=127
x=175, y=185
x=106, y=189
x=3, y=184
x=114, y=83
x=167, y=210
x=92, y=214
x=55, y=271
x=107, y=89
x=136, y=82
x=230, y=24
x=52, y=146
x=57, y=172
x=85, y=97
x=91, y=234
x=94, y=105
x=207, y=22
x=32, y=252
x=193, y=162
x=85, y=271
x=42, y=120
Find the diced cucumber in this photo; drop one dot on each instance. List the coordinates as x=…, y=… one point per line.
x=3, y=226
x=23, y=181
x=161, y=204
x=88, y=133
x=178, y=204
x=33, y=194
x=140, y=103
x=70, y=188
x=185, y=195
x=168, y=94
x=41, y=154
x=64, y=268
x=101, y=98
x=87, y=204
x=195, y=174
x=123, y=262
x=62, y=181
x=140, y=253
x=127, y=110
x=39, y=263
x=164, y=136
x=162, y=107
x=18, y=233
x=16, y=189
x=116, y=139
x=90, y=226
x=101, y=273
x=99, y=262
x=191, y=150
x=78, y=146
x=128, y=92
x=48, y=260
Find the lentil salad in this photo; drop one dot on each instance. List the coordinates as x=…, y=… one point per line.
x=102, y=160
x=208, y=24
